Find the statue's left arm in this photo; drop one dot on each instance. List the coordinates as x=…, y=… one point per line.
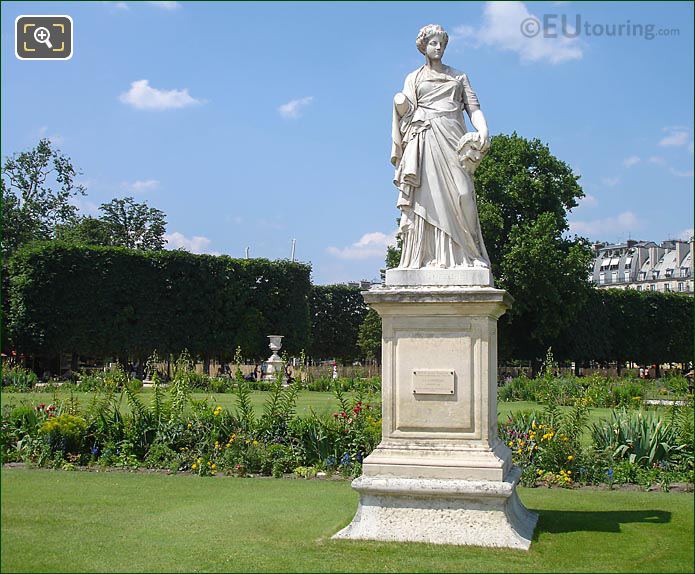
x=472, y=107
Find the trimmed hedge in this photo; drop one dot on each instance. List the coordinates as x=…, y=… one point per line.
x=104, y=301
x=627, y=325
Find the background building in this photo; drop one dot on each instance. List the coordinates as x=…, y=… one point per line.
x=644, y=266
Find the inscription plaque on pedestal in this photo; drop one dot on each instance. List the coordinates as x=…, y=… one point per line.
x=433, y=382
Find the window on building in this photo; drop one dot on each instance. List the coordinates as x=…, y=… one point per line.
x=639, y=287
x=628, y=262
x=642, y=275
x=655, y=274
x=652, y=287
x=684, y=271
x=627, y=276
x=667, y=287
x=681, y=286
x=614, y=277
x=601, y=278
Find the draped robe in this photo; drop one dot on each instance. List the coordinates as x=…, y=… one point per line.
x=439, y=218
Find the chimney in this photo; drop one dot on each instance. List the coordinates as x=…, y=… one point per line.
x=682, y=249
x=653, y=257
x=631, y=243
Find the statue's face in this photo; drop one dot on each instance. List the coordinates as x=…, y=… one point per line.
x=435, y=47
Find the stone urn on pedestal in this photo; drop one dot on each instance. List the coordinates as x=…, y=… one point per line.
x=274, y=363
x=440, y=475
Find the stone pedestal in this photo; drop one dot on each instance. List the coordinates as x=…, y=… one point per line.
x=441, y=474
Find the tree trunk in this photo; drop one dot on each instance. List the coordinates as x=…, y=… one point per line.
x=74, y=362
x=206, y=364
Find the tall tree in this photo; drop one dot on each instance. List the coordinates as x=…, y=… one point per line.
x=369, y=336
x=36, y=189
x=337, y=311
x=87, y=230
x=134, y=225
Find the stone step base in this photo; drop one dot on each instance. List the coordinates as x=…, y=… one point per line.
x=436, y=511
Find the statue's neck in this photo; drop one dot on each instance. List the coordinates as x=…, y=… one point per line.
x=435, y=65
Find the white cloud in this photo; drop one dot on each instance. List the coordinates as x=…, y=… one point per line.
x=55, y=139
x=144, y=97
x=588, y=201
x=679, y=173
x=657, y=159
x=85, y=206
x=370, y=245
x=686, y=234
x=166, y=5
x=293, y=108
x=675, y=137
x=625, y=221
x=610, y=181
x=630, y=161
x=503, y=23
x=195, y=244
x=141, y=185
x=122, y=6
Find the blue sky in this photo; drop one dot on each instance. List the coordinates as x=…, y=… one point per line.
x=252, y=124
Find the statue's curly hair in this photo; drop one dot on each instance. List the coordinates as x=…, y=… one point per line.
x=426, y=33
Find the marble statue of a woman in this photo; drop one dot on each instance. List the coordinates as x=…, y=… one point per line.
x=435, y=158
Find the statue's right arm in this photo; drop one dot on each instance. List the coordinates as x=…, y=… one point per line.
x=402, y=104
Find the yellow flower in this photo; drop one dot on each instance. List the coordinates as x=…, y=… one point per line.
x=539, y=472
x=194, y=466
x=569, y=472
x=214, y=466
x=189, y=425
x=255, y=443
x=510, y=443
x=570, y=457
x=533, y=425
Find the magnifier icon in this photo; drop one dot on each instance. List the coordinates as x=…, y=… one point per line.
x=43, y=36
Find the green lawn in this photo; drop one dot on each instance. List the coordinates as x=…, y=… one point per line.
x=320, y=402
x=80, y=521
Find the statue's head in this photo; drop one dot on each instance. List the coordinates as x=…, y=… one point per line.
x=432, y=41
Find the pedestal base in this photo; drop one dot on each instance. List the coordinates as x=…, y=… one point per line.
x=431, y=276
x=436, y=511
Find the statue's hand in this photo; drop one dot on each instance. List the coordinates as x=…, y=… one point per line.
x=471, y=149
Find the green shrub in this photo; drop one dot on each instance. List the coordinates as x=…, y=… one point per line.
x=64, y=433
x=640, y=438
x=18, y=379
